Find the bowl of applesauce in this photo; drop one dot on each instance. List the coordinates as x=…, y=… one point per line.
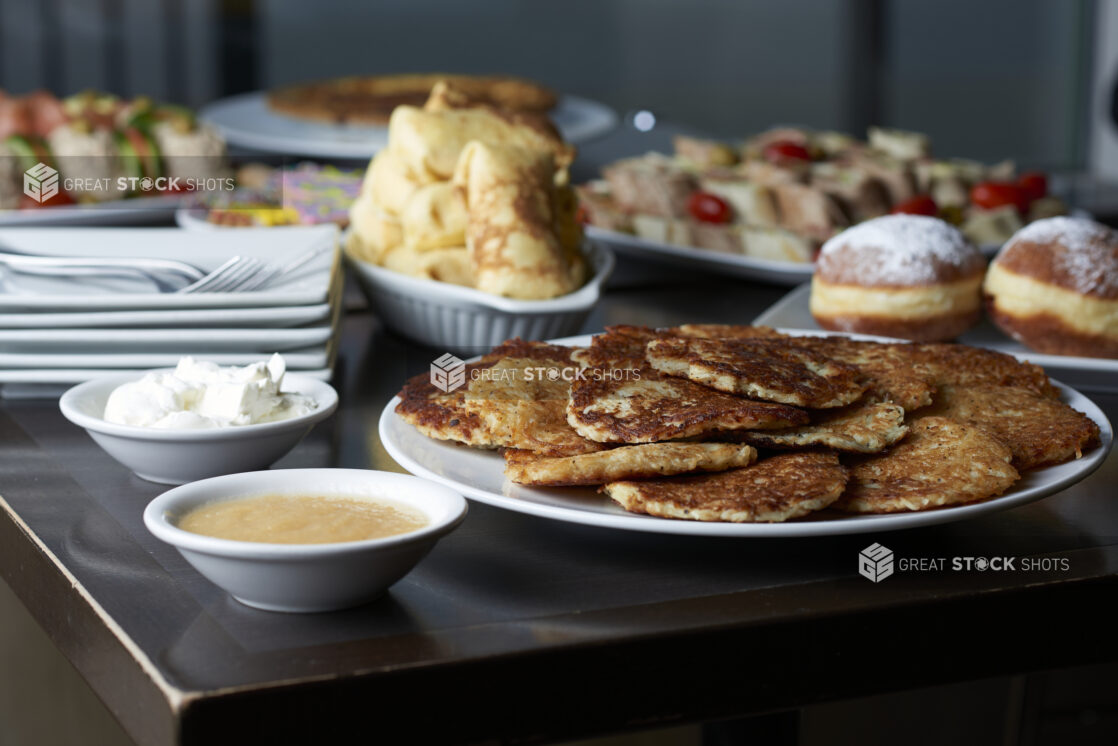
x=305, y=540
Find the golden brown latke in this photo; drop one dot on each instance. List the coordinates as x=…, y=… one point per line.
x=778, y=488
x=625, y=462
x=959, y=365
x=1039, y=431
x=522, y=406
x=862, y=427
x=767, y=369
x=501, y=403
x=941, y=462
x=619, y=346
x=439, y=414
x=725, y=331
x=643, y=406
x=623, y=346
x=889, y=368
x=908, y=374
x=517, y=347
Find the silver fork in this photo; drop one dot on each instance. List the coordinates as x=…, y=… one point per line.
x=153, y=270
x=228, y=277
x=242, y=274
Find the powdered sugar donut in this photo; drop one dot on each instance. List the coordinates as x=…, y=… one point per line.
x=906, y=276
x=1054, y=287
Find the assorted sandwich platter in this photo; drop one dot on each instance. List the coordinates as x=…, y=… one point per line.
x=762, y=208
x=94, y=158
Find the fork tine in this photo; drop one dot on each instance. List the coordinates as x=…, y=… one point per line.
x=247, y=268
x=225, y=276
x=270, y=270
x=206, y=282
x=265, y=275
x=243, y=274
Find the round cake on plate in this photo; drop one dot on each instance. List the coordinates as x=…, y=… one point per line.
x=1054, y=287
x=906, y=276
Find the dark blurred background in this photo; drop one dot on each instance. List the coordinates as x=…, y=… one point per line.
x=987, y=79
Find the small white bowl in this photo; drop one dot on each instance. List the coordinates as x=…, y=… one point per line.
x=307, y=577
x=180, y=456
x=452, y=317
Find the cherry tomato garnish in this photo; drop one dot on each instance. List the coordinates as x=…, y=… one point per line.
x=992, y=194
x=785, y=151
x=708, y=208
x=921, y=205
x=1034, y=184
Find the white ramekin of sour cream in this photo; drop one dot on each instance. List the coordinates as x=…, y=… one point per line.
x=198, y=420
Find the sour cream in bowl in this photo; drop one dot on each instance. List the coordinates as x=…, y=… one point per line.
x=200, y=394
x=199, y=420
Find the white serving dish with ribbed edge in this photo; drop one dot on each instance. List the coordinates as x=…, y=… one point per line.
x=453, y=317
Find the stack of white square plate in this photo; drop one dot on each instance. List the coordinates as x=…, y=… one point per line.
x=64, y=330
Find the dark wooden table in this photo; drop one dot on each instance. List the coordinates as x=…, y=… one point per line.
x=523, y=629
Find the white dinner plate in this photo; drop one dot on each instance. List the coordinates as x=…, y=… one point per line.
x=309, y=285
x=479, y=474
x=630, y=248
x=160, y=334
x=201, y=318
x=246, y=120
x=793, y=311
x=136, y=211
x=162, y=340
x=304, y=358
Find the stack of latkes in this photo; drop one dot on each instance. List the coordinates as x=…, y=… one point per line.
x=746, y=424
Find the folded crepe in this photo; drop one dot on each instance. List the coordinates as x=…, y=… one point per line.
x=391, y=183
x=429, y=141
x=451, y=265
x=372, y=235
x=514, y=230
x=435, y=218
x=372, y=231
x=374, y=220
